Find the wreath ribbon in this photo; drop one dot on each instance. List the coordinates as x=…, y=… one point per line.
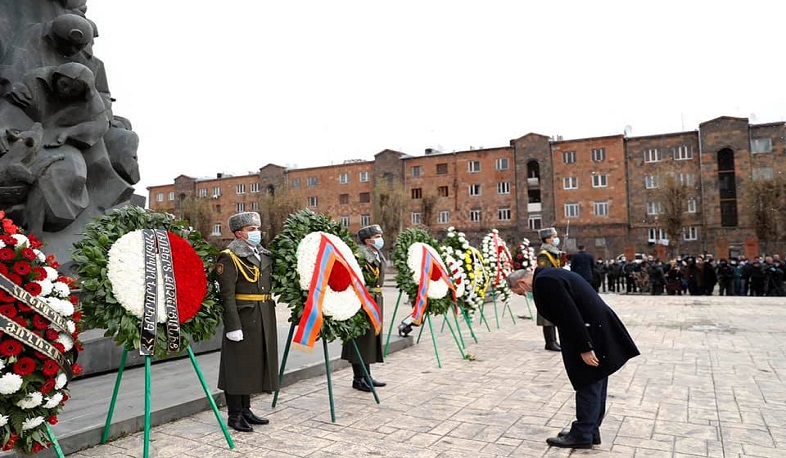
x=311, y=320
x=499, y=248
x=427, y=267
x=37, y=343
x=156, y=241
x=38, y=305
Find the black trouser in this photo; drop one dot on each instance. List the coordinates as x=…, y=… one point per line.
x=236, y=403
x=357, y=371
x=590, y=410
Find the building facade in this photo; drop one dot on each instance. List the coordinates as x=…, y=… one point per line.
x=667, y=194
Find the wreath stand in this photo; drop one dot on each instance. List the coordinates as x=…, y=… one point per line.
x=506, y=307
x=55, y=444
x=456, y=320
x=483, y=320
x=366, y=375
x=148, y=398
x=526, y=299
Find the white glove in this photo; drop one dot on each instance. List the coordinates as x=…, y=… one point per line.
x=235, y=336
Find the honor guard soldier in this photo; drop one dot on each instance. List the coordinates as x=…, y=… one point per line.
x=249, y=350
x=370, y=344
x=549, y=256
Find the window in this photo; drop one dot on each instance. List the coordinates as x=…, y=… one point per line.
x=217, y=208
x=345, y=222
x=655, y=235
x=254, y=206
x=761, y=173
x=682, y=153
x=691, y=205
x=443, y=217
x=442, y=191
x=473, y=166
x=650, y=182
x=503, y=187
x=312, y=181
x=570, y=183
x=202, y=192
x=416, y=171
x=569, y=157
x=503, y=214
x=690, y=233
x=761, y=145
x=417, y=193
x=363, y=177
x=571, y=210
x=534, y=222
x=728, y=213
x=171, y=195
x=160, y=197
x=241, y=207
x=254, y=187
x=364, y=197
x=217, y=191
x=295, y=183
x=599, y=181
x=654, y=208
x=240, y=189
x=442, y=169
x=365, y=220
x=343, y=199
x=598, y=154
x=502, y=163
x=686, y=179
x=312, y=201
x=475, y=216
x=416, y=218
x=343, y=178
x=600, y=242
x=474, y=190
x=216, y=229
x=653, y=155
x=601, y=208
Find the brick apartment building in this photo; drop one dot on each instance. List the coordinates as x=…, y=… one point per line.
x=602, y=190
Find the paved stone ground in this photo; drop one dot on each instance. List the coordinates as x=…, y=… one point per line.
x=709, y=383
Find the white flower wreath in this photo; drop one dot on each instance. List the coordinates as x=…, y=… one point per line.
x=338, y=305
x=436, y=289
x=498, y=261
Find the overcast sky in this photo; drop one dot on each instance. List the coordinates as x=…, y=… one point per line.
x=232, y=85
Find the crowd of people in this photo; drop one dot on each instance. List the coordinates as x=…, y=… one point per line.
x=694, y=275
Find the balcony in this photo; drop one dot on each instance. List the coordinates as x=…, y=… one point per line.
x=536, y=207
x=533, y=182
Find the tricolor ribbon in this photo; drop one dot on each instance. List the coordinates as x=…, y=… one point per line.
x=311, y=320
x=427, y=266
x=500, y=249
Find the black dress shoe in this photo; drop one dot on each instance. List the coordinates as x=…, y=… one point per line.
x=253, y=419
x=567, y=442
x=239, y=423
x=566, y=432
x=377, y=383
x=553, y=346
x=361, y=385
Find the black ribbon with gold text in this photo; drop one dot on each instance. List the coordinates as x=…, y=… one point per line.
x=147, y=335
x=27, y=337
x=170, y=291
x=38, y=305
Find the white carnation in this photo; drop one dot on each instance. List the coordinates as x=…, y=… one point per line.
x=31, y=401
x=51, y=274
x=31, y=423
x=60, y=381
x=46, y=287
x=61, y=289
x=40, y=256
x=21, y=241
x=10, y=383
x=66, y=340
x=54, y=401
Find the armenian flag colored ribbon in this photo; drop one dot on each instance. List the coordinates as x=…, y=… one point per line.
x=427, y=267
x=500, y=249
x=311, y=321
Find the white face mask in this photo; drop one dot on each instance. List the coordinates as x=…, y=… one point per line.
x=555, y=241
x=254, y=237
x=379, y=243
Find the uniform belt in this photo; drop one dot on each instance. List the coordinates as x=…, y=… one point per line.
x=253, y=297
x=376, y=289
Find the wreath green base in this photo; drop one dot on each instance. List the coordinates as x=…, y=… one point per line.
x=286, y=280
x=404, y=277
x=100, y=307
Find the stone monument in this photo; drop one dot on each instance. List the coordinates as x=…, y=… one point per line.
x=65, y=158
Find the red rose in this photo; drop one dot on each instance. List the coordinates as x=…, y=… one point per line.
x=77, y=316
x=22, y=267
x=7, y=254
x=52, y=420
x=33, y=288
x=8, y=310
x=50, y=368
x=72, y=298
x=34, y=242
x=78, y=345
x=51, y=262
x=51, y=334
x=10, y=347
x=8, y=240
x=66, y=397
x=77, y=369
x=59, y=347
x=48, y=386
x=40, y=322
x=5, y=297
x=25, y=366
x=14, y=278
x=37, y=447
x=28, y=254
x=40, y=273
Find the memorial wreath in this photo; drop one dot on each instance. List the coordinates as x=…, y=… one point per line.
x=39, y=341
x=498, y=260
x=148, y=280
x=470, y=264
x=524, y=256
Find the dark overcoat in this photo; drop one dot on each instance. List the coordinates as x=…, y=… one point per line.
x=582, y=263
x=251, y=365
x=549, y=256
x=584, y=322
x=369, y=344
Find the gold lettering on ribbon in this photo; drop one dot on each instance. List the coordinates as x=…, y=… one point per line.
x=148, y=329
x=170, y=291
